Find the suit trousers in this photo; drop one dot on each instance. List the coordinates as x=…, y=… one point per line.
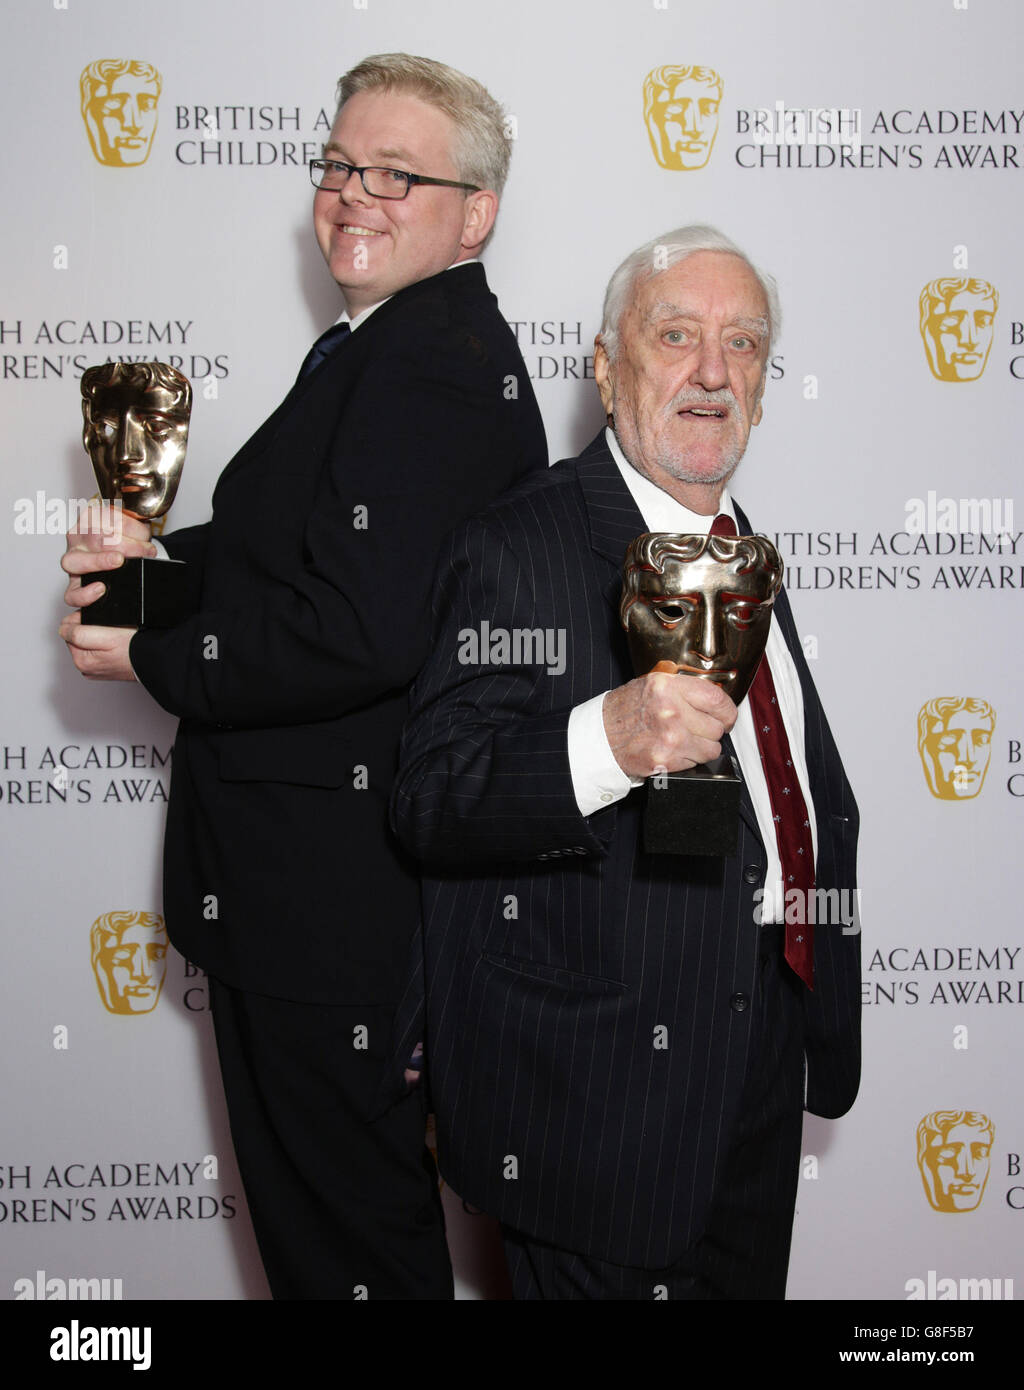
x=743, y=1252
x=343, y=1207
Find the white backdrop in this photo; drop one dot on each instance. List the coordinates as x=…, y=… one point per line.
x=115, y=1160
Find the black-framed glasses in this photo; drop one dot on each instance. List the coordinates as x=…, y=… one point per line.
x=334, y=174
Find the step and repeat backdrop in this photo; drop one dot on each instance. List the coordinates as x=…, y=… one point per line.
x=157, y=206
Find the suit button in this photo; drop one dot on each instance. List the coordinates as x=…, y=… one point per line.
x=751, y=874
x=739, y=1002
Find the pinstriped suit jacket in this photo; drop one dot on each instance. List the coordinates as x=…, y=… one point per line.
x=553, y=947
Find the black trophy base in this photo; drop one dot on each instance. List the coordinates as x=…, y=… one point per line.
x=140, y=593
x=694, y=812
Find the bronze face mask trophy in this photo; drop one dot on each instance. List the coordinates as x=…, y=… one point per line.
x=703, y=604
x=136, y=428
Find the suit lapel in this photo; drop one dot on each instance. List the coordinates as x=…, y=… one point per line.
x=466, y=282
x=614, y=517
x=340, y=366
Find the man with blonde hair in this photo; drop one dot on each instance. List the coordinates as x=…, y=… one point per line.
x=311, y=588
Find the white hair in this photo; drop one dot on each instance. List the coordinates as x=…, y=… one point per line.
x=662, y=253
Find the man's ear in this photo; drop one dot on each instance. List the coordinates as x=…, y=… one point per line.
x=603, y=376
x=481, y=210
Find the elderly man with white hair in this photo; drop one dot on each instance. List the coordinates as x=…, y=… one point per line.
x=621, y=1044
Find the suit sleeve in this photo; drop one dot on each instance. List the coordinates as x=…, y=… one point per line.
x=425, y=440
x=189, y=545
x=485, y=774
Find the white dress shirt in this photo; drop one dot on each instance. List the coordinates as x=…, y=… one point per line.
x=597, y=779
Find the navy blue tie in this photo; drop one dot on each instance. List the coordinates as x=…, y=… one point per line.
x=323, y=347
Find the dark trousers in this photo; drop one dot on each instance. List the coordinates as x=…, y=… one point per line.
x=743, y=1252
x=342, y=1207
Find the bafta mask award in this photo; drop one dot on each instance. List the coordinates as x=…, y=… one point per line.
x=699, y=606
x=136, y=428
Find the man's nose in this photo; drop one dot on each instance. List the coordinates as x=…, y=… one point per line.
x=352, y=190
x=709, y=369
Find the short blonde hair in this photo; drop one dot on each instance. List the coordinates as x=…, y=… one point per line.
x=482, y=145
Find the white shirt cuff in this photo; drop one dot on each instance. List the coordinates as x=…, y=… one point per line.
x=597, y=779
x=161, y=549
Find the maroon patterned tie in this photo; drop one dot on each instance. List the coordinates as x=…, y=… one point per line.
x=789, y=811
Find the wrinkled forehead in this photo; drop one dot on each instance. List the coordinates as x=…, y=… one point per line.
x=701, y=285
x=713, y=578
x=120, y=397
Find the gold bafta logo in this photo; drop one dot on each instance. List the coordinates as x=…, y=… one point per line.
x=681, y=114
x=954, y=740
x=957, y=324
x=954, y=1150
x=119, y=101
x=129, y=960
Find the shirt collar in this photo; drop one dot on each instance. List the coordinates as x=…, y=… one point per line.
x=364, y=314
x=661, y=511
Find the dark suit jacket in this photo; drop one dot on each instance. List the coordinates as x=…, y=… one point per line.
x=554, y=947
x=311, y=589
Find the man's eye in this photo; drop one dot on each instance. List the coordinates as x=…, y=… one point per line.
x=742, y=342
x=675, y=336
